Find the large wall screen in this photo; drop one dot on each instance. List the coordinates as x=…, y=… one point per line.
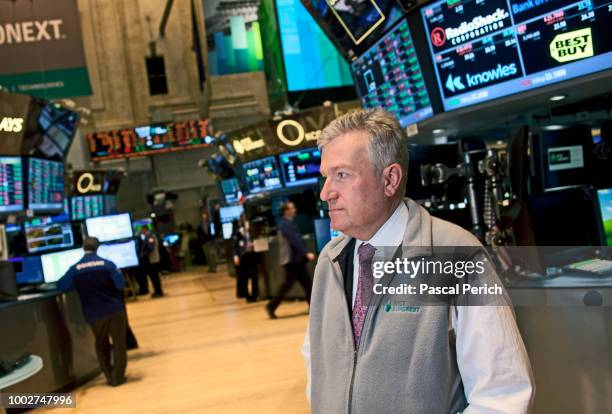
x=487, y=49
x=388, y=76
x=311, y=60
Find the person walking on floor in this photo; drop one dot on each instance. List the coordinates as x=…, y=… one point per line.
x=245, y=260
x=99, y=285
x=293, y=256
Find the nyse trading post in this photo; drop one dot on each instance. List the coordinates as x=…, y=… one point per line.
x=492, y=48
x=389, y=76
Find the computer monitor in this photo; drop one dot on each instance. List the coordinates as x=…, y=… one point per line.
x=389, y=76
x=52, y=236
x=55, y=265
x=301, y=167
x=86, y=206
x=262, y=175
x=551, y=224
x=51, y=131
x=8, y=281
x=231, y=190
x=228, y=215
x=604, y=197
x=322, y=232
x=123, y=255
x=486, y=49
x=45, y=185
x=11, y=185
x=354, y=26
x=561, y=157
x=28, y=270
x=110, y=228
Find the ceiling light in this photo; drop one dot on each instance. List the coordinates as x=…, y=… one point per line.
x=438, y=130
x=553, y=127
x=557, y=98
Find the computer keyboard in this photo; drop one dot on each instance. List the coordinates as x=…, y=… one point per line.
x=595, y=266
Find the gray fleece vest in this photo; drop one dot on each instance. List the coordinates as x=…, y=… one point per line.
x=406, y=362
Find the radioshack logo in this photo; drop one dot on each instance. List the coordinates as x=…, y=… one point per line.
x=8, y=124
x=455, y=83
x=438, y=37
x=31, y=31
x=479, y=26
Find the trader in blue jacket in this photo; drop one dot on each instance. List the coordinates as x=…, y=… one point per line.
x=100, y=288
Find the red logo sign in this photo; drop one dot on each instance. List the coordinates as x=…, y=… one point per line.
x=438, y=37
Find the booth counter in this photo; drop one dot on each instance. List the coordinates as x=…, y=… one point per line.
x=51, y=326
x=566, y=324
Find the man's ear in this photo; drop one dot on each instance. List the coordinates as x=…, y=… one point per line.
x=393, y=176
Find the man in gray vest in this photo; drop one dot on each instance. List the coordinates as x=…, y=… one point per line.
x=433, y=359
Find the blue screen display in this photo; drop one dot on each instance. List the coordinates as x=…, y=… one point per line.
x=28, y=270
x=301, y=167
x=488, y=49
x=311, y=60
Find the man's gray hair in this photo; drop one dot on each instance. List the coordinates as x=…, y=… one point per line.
x=387, y=140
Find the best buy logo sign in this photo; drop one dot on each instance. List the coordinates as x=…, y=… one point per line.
x=570, y=46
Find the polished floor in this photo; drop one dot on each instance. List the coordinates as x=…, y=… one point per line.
x=204, y=351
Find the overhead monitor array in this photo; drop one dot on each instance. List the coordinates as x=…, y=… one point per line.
x=492, y=48
x=480, y=50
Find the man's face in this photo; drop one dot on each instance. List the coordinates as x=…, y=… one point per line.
x=354, y=194
x=291, y=211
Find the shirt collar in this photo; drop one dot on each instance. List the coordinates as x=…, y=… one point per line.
x=388, y=234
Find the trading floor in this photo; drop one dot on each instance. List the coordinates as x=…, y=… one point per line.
x=204, y=351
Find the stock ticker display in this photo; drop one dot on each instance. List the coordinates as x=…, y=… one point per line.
x=45, y=184
x=262, y=175
x=149, y=139
x=11, y=184
x=487, y=49
x=301, y=167
x=389, y=76
x=83, y=207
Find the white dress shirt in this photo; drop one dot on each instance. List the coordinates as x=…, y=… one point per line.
x=496, y=373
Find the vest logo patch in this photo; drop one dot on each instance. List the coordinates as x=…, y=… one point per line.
x=402, y=307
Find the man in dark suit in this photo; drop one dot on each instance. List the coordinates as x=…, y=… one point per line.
x=293, y=256
x=100, y=287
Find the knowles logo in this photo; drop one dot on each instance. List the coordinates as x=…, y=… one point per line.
x=487, y=76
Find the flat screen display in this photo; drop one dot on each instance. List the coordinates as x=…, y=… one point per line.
x=231, y=190
x=300, y=167
x=228, y=215
x=354, y=25
x=110, y=228
x=55, y=265
x=11, y=184
x=262, y=175
x=231, y=213
x=45, y=185
x=311, y=60
x=389, y=76
x=605, y=206
x=123, y=255
x=83, y=207
x=28, y=270
x=47, y=237
x=487, y=49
